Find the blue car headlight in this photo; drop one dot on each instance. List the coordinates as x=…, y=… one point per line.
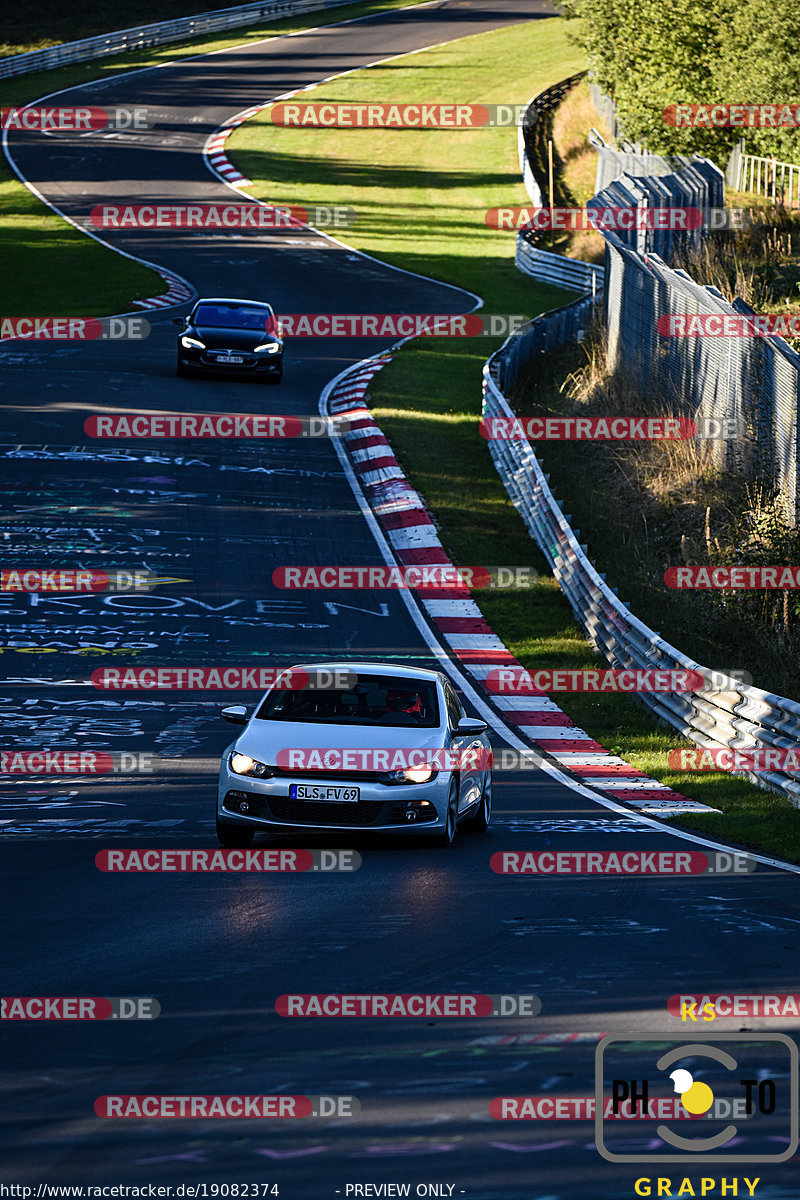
x=191, y=343
x=267, y=348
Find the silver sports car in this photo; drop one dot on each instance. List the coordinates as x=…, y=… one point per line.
x=355, y=746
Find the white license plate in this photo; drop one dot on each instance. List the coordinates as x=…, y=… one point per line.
x=327, y=793
x=229, y=358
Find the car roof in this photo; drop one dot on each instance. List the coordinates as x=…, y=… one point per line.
x=372, y=668
x=232, y=300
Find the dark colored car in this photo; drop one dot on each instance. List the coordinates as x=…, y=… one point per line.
x=230, y=337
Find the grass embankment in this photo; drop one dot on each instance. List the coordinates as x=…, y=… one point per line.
x=51, y=268
x=420, y=198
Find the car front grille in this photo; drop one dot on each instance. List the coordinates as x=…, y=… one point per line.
x=343, y=777
x=364, y=812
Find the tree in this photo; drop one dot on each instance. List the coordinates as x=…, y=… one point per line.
x=685, y=53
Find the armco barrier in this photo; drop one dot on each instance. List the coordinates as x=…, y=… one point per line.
x=158, y=34
x=532, y=147
x=736, y=717
x=557, y=269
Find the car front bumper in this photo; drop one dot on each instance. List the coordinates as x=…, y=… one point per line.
x=254, y=364
x=381, y=808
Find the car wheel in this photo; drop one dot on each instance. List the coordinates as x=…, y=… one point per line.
x=276, y=378
x=479, y=821
x=234, y=837
x=180, y=370
x=447, y=836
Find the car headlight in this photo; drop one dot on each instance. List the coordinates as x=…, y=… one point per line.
x=412, y=775
x=243, y=764
x=267, y=348
x=190, y=343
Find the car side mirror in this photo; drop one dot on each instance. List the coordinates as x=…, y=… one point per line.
x=470, y=727
x=235, y=715
x=181, y=322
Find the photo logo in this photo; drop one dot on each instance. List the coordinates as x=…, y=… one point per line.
x=744, y=1096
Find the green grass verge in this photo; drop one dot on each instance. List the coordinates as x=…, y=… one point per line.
x=420, y=199
x=51, y=268
x=420, y=195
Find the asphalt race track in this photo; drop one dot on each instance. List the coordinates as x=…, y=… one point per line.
x=603, y=955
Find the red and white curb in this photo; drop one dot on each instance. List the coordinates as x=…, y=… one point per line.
x=217, y=159
x=459, y=622
x=179, y=291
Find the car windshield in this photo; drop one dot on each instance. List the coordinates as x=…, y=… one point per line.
x=229, y=316
x=374, y=700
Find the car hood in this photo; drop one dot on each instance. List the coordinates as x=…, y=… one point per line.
x=217, y=338
x=263, y=739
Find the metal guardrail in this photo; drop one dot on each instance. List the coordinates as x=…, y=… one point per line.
x=557, y=269
x=531, y=139
x=735, y=716
x=529, y=257
x=158, y=34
